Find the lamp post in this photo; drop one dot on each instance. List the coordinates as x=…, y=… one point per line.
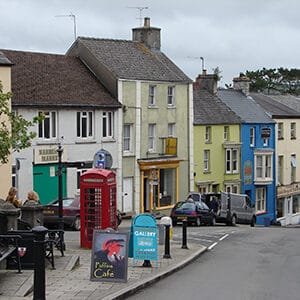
x=60, y=200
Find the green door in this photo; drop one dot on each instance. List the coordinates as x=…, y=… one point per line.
x=45, y=182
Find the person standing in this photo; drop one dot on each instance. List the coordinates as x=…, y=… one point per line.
x=12, y=197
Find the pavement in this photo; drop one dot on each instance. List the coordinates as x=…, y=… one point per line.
x=71, y=277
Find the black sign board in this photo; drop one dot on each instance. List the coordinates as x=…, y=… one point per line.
x=109, y=256
x=265, y=133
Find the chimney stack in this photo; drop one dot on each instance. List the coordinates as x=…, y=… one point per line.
x=242, y=83
x=149, y=36
x=207, y=82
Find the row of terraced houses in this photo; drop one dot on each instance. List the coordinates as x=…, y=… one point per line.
x=130, y=100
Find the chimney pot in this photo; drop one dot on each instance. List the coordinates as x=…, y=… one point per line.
x=147, y=22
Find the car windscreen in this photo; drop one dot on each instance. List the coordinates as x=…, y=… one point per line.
x=66, y=202
x=185, y=205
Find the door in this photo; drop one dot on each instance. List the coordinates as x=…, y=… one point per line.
x=127, y=194
x=289, y=210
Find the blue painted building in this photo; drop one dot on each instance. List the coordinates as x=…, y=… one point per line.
x=257, y=151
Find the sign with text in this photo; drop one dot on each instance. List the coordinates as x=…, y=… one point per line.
x=109, y=256
x=144, y=236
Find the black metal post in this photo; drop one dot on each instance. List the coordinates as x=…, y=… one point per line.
x=184, y=239
x=39, y=292
x=60, y=200
x=167, y=242
x=147, y=263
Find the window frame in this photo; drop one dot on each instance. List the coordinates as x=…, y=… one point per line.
x=152, y=95
x=127, y=139
x=280, y=131
x=260, y=203
x=171, y=96
x=152, y=137
x=226, y=133
x=231, y=162
x=252, y=136
x=207, y=134
x=171, y=129
x=50, y=121
x=107, y=124
x=206, y=160
x=263, y=167
x=84, y=124
x=293, y=130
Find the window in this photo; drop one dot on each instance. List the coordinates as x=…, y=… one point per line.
x=280, y=131
x=47, y=128
x=127, y=137
x=171, y=130
x=84, y=124
x=265, y=142
x=152, y=95
x=207, y=134
x=232, y=188
x=151, y=137
x=171, y=95
x=206, y=160
x=263, y=167
x=252, y=136
x=293, y=168
x=231, y=161
x=293, y=131
x=107, y=124
x=226, y=133
x=280, y=170
x=260, y=199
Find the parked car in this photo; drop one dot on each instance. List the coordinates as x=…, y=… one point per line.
x=195, y=212
x=71, y=213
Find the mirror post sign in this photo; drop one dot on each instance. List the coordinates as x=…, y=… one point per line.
x=145, y=238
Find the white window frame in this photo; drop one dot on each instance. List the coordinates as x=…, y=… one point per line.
x=280, y=131
x=232, y=188
x=171, y=95
x=263, y=167
x=171, y=130
x=152, y=95
x=206, y=160
x=252, y=136
x=151, y=137
x=127, y=141
x=207, y=134
x=260, y=203
x=293, y=131
x=226, y=133
x=231, y=160
x=293, y=168
x=48, y=126
x=107, y=124
x=84, y=124
x=280, y=169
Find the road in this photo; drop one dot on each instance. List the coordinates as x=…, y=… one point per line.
x=244, y=263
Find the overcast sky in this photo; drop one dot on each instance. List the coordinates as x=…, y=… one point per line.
x=234, y=35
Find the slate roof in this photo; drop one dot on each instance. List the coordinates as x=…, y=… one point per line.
x=209, y=109
x=273, y=107
x=41, y=79
x=244, y=107
x=4, y=61
x=288, y=100
x=133, y=60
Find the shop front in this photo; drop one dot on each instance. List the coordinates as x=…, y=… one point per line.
x=159, y=184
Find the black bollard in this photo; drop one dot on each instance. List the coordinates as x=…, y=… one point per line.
x=184, y=226
x=167, y=242
x=39, y=292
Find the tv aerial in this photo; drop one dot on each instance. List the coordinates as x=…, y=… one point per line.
x=73, y=17
x=140, y=8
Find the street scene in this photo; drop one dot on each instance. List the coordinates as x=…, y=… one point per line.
x=149, y=149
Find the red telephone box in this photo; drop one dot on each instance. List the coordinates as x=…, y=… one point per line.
x=98, y=204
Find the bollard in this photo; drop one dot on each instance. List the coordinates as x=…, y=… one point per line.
x=167, y=242
x=184, y=227
x=39, y=292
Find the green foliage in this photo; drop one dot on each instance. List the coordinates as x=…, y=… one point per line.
x=278, y=80
x=217, y=72
x=14, y=129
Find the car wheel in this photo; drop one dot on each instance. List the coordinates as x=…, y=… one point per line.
x=213, y=222
x=198, y=221
x=252, y=224
x=76, y=225
x=233, y=220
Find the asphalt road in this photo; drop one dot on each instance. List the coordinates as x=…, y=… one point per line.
x=242, y=263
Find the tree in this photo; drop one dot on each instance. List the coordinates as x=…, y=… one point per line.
x=14, y=129
x=278, y=80
x=217, y=72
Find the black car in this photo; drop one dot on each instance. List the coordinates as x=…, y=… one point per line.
x=196, y=212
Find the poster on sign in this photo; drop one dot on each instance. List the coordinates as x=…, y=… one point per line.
x=109, y=256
